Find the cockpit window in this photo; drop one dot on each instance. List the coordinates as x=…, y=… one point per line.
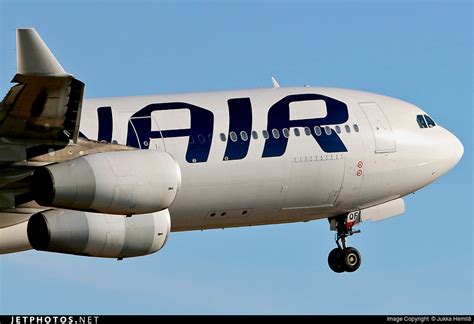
x=421, y=121
x=430, y=121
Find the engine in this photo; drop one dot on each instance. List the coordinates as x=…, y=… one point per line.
x=124, y=182
x=98, y=235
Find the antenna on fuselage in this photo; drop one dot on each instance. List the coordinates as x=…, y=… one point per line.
x=275, y=83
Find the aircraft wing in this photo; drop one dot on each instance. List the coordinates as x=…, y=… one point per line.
x=41, y=113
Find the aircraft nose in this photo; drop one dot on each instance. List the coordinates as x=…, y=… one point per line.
x=452, y=149
x=456, y=150
x=443, y=152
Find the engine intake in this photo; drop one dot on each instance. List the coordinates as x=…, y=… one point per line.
x=124, y=182
x=98, y=235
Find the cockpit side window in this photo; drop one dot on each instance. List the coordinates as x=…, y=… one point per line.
x=421, y=121
x=430, y=121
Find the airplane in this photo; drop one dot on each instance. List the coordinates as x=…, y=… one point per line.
x=112, y=177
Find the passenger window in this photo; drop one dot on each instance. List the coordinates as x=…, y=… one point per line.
x=421, y=121
x=327, y=130
x=233, y=136
x=276, y=133
x=243, y=135
x=296, y=131
x=348, y=128
x=223, y=137
x=338, y=129
x=430, y=121
x=201, y=138
x=317, y=130
x=307, y=131
x=356, y=128
x=265, y=134
x=286, y=132
x=254, y=135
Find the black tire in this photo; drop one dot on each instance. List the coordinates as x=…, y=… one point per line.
x=335, y=260
x=351, y=259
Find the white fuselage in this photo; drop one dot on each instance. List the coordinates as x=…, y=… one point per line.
x=388, y=157
x=214, y=160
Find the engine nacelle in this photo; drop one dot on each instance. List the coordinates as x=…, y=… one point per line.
x=98, y=235
x=124, y=182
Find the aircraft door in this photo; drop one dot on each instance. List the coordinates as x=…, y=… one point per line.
x=381, y=129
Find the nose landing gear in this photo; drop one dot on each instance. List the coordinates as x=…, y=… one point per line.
x=343, y=258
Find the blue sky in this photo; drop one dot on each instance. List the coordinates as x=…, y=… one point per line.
x=418, y=51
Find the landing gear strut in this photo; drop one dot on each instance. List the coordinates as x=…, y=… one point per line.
x=344, y=258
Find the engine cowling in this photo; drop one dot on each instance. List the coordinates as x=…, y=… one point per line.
x=124, y=182
x=98, y=235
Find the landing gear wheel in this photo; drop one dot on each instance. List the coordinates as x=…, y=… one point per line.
x=350, y=259
x=335, y=260
x=344, y=258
